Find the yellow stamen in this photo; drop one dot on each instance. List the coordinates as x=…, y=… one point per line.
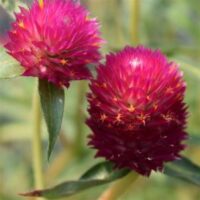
x=21, y=24
x=63, y=61
x=131, y=108
x=103, y=117
x=41, y=4
x=102, y=85
x=96, y=44
x=168, y=117
x=143, y=118
x=155, y=106
x=118, y=117
x=87, y=18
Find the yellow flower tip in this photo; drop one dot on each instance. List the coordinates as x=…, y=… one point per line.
x=21, y=24
x=131, y=108
x=103, y=117
x=87, y=18
x=41, y=4
x=96, y=44
x=118, y=117
x=63, y=61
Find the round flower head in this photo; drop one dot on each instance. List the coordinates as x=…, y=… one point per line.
x=137, y=113
x=55, y=40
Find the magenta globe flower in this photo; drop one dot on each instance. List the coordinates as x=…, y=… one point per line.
x=137, y=113
x=55, y=40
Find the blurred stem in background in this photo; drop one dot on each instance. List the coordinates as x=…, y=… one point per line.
x=37, y=141
x=60, y=161
x=135, y=21
x=79, y=118
x=120, y=187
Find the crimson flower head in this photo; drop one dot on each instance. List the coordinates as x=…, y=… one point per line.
x=137, y=113
x=55, y=40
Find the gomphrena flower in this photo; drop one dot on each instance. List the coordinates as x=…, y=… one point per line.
x=55, y=40
x=137, y=111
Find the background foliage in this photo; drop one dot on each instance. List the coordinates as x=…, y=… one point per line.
x=171, y=25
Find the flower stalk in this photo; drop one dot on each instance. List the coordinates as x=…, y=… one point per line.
x=37, y=141
x=119, y=187
x=78, y=147
x=135, y=21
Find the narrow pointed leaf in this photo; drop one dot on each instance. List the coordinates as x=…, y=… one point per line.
x=104, y=171
x=185, y=170
x=100, y=174
x=52, y=101
x=9, y=67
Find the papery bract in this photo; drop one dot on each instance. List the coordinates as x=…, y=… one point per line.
x=137, y=113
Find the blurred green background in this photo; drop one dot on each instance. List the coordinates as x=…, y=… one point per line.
x=171, y=25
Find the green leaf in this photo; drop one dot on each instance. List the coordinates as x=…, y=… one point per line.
x=185, y=170
x=9, y=67
x=194, y=140
x=104, y=171
x=98, y=175
x=52, y=101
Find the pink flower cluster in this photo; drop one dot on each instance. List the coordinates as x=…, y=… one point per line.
x=55, y=41
x=136, y=104
x=137, y=113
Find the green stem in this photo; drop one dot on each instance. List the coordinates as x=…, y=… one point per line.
x=80, y=118
x=37, y=141
x=135, y=21
x=119, y=187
